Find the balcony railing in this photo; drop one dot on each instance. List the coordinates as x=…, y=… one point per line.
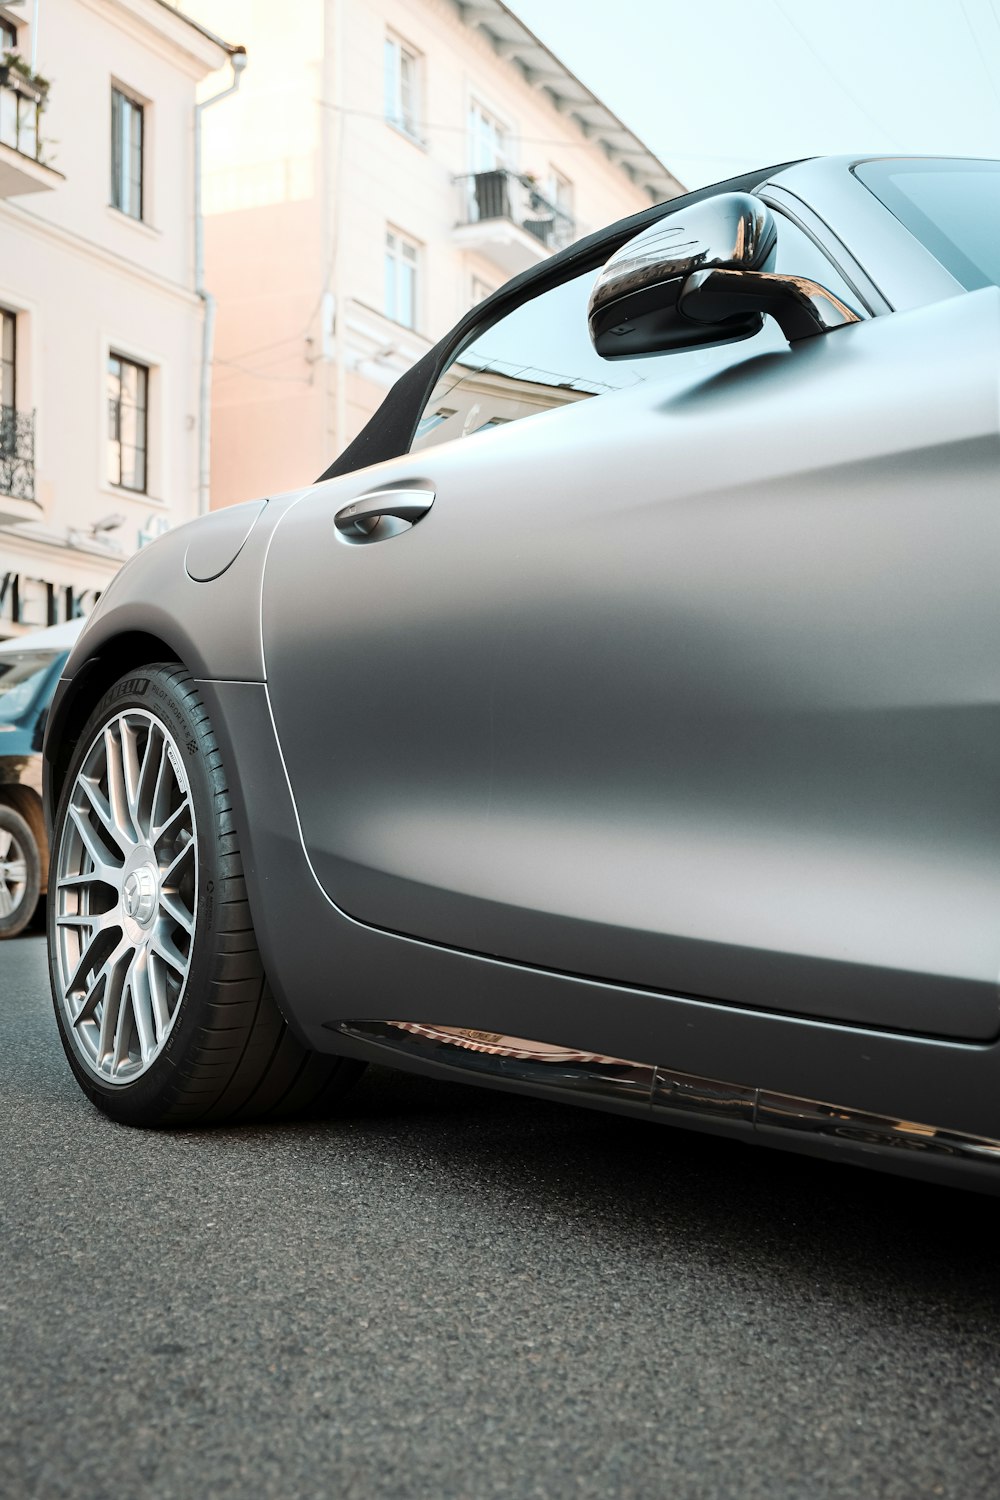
x=22, y=99
x=502, y=194
x=17, y=453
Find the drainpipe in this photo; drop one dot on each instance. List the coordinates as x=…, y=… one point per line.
x=339, y=196
x=238, y=61
x=34, y=36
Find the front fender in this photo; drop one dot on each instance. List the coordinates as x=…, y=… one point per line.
x=154, y=609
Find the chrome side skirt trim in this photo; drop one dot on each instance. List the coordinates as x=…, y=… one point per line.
x=667, y=1094
x=587, y=1076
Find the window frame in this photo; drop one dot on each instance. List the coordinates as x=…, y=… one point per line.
x=481, y=290
x=143, y=372
x=8, y=320
x=123, y=185
x=556, y=180
x=398, y=49
x=402, y=242
x=507, y=156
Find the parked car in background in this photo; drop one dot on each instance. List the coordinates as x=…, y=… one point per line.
x=616, y=720
x=29, y=670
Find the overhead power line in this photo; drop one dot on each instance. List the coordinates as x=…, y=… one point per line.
x=834, y=74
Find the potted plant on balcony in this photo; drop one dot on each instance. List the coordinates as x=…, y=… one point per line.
x=530, y=181
x=540, y=219
x=16, y=74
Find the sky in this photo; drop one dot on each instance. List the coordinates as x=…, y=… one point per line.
x=724, y=86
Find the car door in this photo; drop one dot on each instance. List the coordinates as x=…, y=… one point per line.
x=690, y=682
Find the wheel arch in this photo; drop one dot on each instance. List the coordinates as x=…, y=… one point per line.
x=72, y=706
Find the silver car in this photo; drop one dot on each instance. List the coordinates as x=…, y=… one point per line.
x=617, y=720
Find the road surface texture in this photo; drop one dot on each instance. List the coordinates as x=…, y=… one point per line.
x=452, y=1293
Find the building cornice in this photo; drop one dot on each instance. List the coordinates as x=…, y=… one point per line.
x=121, y=266
x=514, y=42
x=174, y=7
x=196, y=51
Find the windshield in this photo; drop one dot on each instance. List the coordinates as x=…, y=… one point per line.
x=952, y=206
x=20, y=678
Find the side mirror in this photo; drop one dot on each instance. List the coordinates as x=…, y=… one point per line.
x=697, y=277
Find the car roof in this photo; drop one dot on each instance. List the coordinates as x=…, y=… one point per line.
x=54, y=638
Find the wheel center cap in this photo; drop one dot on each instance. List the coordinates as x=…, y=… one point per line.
x=139, y=895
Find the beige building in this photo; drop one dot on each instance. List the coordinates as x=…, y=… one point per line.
x=386, y=164
x=99, y=318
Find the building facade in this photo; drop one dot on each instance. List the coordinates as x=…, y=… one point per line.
x=385, y=167
x=99, y=317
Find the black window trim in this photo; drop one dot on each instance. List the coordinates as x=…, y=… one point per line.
x=136, y=364
x=139, y=104
x=11, y=313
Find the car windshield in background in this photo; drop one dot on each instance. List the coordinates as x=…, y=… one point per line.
x=951, y=205
x=20, y=678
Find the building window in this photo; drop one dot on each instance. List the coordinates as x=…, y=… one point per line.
x=490, y=147
x=560, y=193
x=480, y=291
x=401, y=260
x=8, y=358
x=126, y=154
x=8, y=36
x=128, y=393
x=432, y=420
x=402, y=86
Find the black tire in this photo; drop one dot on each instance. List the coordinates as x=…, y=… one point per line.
x=17, y=902
x=228, y=1055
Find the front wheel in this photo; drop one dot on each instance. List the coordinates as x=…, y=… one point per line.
x=163, y=1007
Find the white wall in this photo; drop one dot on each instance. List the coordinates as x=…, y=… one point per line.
x=85, y=279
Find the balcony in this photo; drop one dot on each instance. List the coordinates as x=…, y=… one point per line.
x=505, y=218
x=22, y=100
x=17, y=466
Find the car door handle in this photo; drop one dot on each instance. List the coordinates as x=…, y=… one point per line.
x=360, y=518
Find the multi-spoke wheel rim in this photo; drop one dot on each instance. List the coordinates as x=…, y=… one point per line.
x=13, y=873
x=126, y=893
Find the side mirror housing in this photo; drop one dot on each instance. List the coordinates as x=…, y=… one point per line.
x=698, y=277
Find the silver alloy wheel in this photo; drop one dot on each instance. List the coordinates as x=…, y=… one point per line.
x=126, y=893
x=13, y=873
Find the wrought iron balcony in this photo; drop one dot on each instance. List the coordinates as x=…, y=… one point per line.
x=22, y=100
x=505, y=217
x=17, y=453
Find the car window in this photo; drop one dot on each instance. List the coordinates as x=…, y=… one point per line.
x=952, y=206
x=540, y=356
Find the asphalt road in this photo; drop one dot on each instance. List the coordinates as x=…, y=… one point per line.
x=452, y=1293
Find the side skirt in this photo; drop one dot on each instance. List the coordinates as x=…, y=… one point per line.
x=590, y=1078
